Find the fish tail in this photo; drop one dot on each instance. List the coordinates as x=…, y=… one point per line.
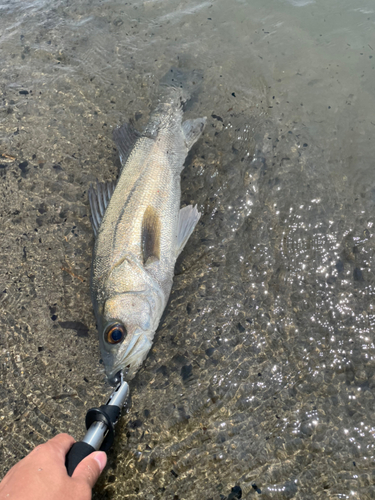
x=180, y=85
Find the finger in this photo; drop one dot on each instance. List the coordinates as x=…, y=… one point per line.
x=91, y=467
x=60, y=445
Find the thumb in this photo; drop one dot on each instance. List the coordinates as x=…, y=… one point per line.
x=90, y=468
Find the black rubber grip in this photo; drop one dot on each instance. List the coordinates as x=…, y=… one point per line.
x=76, y=454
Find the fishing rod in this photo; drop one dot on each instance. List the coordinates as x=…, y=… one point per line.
x=100, y=425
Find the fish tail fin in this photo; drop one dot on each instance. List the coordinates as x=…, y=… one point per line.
x=182, y=85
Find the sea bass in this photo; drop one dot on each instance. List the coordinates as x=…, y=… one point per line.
x=139, y=232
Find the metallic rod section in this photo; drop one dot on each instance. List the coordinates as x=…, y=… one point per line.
x=118, y=398
x=95, y=435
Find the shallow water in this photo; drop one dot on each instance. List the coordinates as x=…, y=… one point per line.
x=260, y=381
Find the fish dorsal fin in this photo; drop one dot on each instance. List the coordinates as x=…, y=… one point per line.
x=151, y=228
x=125, y=138
x=99, y=197
x=188, y=218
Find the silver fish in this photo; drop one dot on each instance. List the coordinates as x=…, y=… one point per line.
x=140, y=231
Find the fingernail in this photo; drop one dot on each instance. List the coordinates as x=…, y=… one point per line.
x=101, y=458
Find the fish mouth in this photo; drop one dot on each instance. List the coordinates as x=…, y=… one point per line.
x=133, y=357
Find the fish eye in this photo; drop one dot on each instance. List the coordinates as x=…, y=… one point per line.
x=115, y=333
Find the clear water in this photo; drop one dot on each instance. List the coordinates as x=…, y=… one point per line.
x=260, y=381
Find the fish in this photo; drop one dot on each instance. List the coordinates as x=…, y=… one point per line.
x=140, y=230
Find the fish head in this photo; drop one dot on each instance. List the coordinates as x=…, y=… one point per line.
x=126, y=331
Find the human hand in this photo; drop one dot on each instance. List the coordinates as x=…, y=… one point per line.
x=42, y=474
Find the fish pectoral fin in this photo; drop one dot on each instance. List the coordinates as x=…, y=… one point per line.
x=151, y=229
x=188, y=218
x=192, y=130
x=125, y=138
x=99, y=197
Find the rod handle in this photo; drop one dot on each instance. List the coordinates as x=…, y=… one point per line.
x=76, y=454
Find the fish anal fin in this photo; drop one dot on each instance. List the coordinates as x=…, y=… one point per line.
x=188, y=218
x=99, y=197
x=192, y=130
x=151, y=229
x=125, y=138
